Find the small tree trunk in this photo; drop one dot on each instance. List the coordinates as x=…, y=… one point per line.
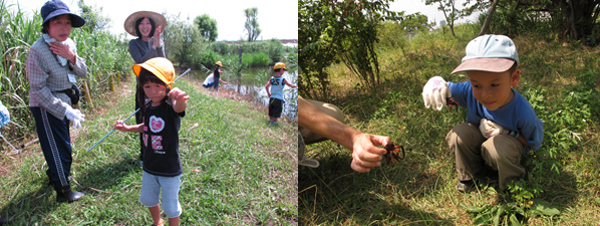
x=488, y=18
x=239, y=74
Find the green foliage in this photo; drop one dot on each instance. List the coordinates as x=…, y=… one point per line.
x=94, y=20
x=207, y=27
x=251, y=25
x=331, y=31
x=509, y=213
x=566, y=20
x=183, y=41
x=416, y=22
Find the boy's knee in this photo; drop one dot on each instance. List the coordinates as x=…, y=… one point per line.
x=148, y=201
x=464, y=134
x=503, y=147
x=172, y=210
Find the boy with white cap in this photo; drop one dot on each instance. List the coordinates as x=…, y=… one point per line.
x=501, y=124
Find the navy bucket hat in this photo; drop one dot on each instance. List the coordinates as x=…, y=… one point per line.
x=55, y=8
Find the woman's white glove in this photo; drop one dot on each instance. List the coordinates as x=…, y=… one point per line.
x=75, y=116
x=435, y=93
x=490, y=129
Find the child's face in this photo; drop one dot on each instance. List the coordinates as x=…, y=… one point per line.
x=493, y=90
x=155, y=91
x=279, y=74
x=59, y=28
x=145, y=27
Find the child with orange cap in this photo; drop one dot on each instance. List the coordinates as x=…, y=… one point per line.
x=161, y=122
x=276, y=94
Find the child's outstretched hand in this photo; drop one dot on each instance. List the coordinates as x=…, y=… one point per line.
x=180, y=97
x=177, y=94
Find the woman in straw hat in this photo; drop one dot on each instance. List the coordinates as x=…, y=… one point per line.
x=147, y=26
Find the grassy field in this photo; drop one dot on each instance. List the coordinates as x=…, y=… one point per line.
x=561, y=81
x=237, y=169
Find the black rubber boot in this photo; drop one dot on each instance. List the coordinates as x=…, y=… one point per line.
x=66, y=195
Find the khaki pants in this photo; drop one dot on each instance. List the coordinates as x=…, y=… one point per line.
x=503, y=153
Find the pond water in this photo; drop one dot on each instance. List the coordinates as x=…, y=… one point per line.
x=253, y=84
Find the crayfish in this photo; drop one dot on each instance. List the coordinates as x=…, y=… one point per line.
x=393, y=153
x=452, y=103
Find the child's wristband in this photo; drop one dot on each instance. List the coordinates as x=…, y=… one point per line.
x=514, y=134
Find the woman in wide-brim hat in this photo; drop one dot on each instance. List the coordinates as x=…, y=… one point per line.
x=52, y=67
x=147, y=26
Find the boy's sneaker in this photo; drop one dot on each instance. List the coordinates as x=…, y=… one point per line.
x=464, y=186
x=162, y=223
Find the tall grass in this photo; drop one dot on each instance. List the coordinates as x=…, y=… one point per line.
x=104, y=54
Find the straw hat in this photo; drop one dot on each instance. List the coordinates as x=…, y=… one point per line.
x=160, y=67
x=159, y=20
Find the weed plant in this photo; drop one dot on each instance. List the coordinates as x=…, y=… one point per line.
x=559, y=79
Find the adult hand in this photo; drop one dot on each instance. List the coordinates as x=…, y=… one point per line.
x=490, y=129
x=435, y=93
x=63, y=51
x=75, y=116
x=365, y=151
x=156, y=37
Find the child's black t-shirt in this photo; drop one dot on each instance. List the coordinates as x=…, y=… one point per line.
x=161, y=140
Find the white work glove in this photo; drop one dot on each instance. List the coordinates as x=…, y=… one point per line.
x=490, y=129
x=75, y=116
x=435, y=93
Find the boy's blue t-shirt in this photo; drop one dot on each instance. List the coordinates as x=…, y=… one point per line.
x=518, y=115
x=277, y=86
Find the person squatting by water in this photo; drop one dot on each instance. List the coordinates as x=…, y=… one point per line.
x=52, y=67
x=213, y=80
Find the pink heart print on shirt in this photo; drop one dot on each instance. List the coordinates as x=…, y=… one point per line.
x=157, y=124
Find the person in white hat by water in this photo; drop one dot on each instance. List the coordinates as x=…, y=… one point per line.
x=276, y=94
x=501, y=124
x=147, y=26
x=53, y=67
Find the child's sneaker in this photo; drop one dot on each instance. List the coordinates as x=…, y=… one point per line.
x=464, y=186
x=162, y=223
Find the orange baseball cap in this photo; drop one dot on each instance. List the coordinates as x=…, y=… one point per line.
x=159, y=66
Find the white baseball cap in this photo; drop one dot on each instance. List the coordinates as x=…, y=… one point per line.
x=491, y=53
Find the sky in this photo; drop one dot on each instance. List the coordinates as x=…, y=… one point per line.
x=431, y=11
x=277, y=18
